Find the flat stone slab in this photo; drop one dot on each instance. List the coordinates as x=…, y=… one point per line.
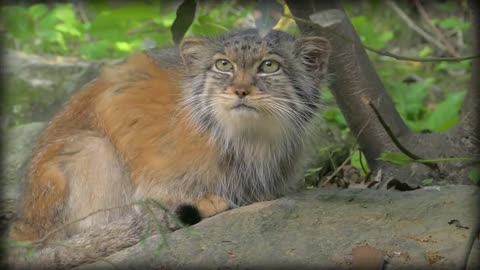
x=319, y=228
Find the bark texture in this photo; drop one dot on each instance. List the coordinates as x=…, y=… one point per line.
x=355, y=82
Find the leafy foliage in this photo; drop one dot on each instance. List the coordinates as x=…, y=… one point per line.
x=399, y=159
x=109, y=31
x=218, y=19
x=376, y=39
x=474, y=176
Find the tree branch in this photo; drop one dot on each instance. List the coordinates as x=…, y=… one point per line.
x=422, y=59
x=440, y=36
x=395, y=140
x=413, y=26
x=392, y=55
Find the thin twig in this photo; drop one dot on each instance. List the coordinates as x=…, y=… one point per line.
x=412, y=24
x=338, y=169
x=404, y=150
x=455, y=159
x=423, y=59
x=389, y=54
x=435, y=30
x=79, y=7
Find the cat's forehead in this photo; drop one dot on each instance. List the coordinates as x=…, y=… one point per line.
x=250, y=48
x=250, y=43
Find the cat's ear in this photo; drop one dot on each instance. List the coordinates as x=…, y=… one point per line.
x=192, y=49
x=313, y=52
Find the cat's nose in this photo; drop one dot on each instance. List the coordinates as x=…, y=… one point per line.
x=241, y=92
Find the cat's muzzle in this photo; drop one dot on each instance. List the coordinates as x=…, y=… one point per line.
x=243, y=105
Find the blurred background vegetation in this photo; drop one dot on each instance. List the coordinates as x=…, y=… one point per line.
x=428, y=95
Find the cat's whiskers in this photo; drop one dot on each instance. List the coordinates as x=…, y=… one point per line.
x=285, y=113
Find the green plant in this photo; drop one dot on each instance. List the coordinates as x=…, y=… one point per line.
x=110, y=31
x=358, y=161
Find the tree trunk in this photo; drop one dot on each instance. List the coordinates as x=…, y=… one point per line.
x=470, y=114
x=355, y=83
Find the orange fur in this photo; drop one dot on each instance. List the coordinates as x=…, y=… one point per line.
x=148, y=116
x=211, y=205
x=134, y=107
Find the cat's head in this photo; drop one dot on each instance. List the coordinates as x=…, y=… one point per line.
x=246, y=84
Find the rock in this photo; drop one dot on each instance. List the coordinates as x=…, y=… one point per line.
x=427, y=228
x=17, y=143
x=37, y=86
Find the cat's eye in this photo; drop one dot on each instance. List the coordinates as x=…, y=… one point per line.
x=224, y=65
x=269, y=66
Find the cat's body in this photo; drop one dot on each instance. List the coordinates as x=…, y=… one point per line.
x=215, y=124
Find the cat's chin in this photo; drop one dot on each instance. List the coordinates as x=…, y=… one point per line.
x=244, y=111
x=248, y=119
x=243, y=107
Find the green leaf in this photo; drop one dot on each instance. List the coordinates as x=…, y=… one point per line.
x=334, y=116
x=386, y=36
x=23, y=30
x=444, y=66
x=47, y=22
x=206, y=26
x=123, y=46
x=95, y=50
x=399, y=159
x=68, y=29
x=427, y=182
x=474, y=176
x=38, y=10
x=185, y=17
x=312, y=171
x=425, y=51
x=355, y=162
x=327, y=94
x=65, y=13
x=371, y=34
x=446, y=113
x=453, y=23
x=165, y=20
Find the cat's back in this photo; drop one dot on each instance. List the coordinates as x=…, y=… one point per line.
x=83, y=112
x=135, y=105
